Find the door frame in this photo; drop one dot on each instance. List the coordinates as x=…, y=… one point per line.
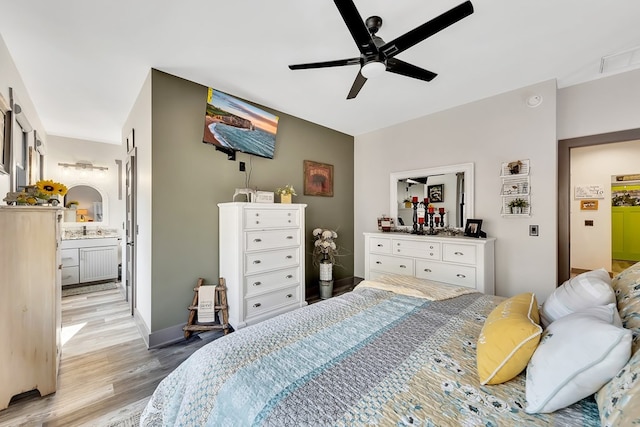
x=564, y=190
x=131, y=228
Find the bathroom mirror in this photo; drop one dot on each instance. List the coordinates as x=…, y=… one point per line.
x=449, y=187
x=91, y=207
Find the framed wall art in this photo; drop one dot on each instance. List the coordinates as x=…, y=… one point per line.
x=318, y=179
x=473, y=228
x=588, y=205
x=436, y=193
x=5, y=136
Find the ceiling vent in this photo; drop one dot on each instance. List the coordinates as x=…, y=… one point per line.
x=620, y=61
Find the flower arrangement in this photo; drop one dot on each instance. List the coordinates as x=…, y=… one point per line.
x=324, y=247
x=518, y=203
x=287, y=189
x=45, y=191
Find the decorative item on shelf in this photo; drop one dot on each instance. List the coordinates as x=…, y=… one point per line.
x=45, y=192
x=517, y=205
x=407, y=203
x=285, y=193
x=73, y=204
x=385, y=223
x=324, y=254
x=514, y=167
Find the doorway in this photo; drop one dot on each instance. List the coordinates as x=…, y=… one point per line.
x=565, y=191
x=131, y=229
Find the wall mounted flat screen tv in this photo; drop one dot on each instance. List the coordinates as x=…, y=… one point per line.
x=234, y=125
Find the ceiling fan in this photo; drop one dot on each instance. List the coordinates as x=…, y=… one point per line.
x=376, y=55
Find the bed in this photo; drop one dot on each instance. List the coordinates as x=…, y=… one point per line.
x=379, y=355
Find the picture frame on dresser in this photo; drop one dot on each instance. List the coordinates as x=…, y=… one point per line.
x=473, y=228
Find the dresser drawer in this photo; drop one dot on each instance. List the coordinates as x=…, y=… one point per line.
x=391, y=264
x=465, y=254
x=69, y=257
x=272, y=239
x=70, y=275
x=428, y=250
x=256, y=262
x=460, y=275
x=379, y=245
x=268, y=218
x=260, y=304
x=265, y=282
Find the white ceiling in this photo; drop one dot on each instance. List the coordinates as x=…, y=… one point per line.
x=83, y=62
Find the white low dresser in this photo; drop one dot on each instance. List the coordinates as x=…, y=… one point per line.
x=454, y=260
x=262, y=259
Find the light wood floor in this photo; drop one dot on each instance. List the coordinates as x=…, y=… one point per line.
x=106, y=370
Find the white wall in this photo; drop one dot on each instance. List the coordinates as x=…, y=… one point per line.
x=487, y=133
x=600, y=106
x=591, y=246
x=9, y=77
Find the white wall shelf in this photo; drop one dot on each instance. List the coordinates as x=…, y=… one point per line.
x=516, y=184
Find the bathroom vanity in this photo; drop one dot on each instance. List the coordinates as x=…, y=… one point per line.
x=89, y=258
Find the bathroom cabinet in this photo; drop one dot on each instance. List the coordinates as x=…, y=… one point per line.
x=89, y=260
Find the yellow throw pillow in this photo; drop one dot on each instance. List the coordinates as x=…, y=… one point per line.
x=508, y=339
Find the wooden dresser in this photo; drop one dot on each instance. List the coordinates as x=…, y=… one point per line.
x=460, y=261
x=30, y=296
x=262, y=259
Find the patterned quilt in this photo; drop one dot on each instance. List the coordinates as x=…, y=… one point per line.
x=369, y=357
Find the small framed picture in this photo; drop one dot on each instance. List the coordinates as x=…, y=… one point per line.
x=436, y=193
x=588, y=205
x=472, y=229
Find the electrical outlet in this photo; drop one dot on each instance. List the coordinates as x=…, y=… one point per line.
x=242, y=167
x=533, y=230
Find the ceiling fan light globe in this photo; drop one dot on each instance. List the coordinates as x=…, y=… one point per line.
x=373, y=69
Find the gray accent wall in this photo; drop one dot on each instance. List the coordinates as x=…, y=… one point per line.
x=189, y=178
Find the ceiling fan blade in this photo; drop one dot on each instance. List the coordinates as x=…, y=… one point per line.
x=325, y=64
x=427, y=29
x=404, y=68
x=357, y=85
x=356, y=26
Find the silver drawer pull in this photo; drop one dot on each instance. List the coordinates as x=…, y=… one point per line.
x=257, y=261
x=403, y=266
x=378, y=262
x=289, y=221
x=257, y=222
x=462, y=276
x=428, y=270
x=289, y=295
x=430, y=253
x=257, y=240
x=458, y=253
x=289, y=214
x=257, y=284
x=68, y=257
x=380, y=245
x=257, y=214
x=256, y=305
x=289, y=237
x=289, y=256
x=431, y=247
x=66, y=277
x=289, y=276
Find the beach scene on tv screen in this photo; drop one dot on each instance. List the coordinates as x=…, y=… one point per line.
x=233, y=124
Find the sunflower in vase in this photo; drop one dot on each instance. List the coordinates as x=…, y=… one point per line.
x=45, y=191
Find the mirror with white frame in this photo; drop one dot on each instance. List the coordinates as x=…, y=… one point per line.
x=91, y=205
x=453, y=185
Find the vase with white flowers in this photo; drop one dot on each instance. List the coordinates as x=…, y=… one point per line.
x=285, y=193
x=324, y=254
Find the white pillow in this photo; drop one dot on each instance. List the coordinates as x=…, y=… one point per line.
x=577, y=355
x=586, y=290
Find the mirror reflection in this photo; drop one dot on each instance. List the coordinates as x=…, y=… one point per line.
x=448, y=188
x=84, y=204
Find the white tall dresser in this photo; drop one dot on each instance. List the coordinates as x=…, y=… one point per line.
x=30, y=296
x=262, y=259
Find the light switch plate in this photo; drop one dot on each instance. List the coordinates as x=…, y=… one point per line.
x=533, y=230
